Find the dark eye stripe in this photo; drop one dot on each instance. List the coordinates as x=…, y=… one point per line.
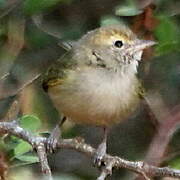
x=118, y=43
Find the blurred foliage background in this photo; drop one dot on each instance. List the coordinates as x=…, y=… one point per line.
x=30, y=34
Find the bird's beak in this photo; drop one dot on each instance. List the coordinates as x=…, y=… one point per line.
x=142, y=44
x=137, y=47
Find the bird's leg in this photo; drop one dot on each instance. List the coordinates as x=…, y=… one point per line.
x=101, y=150
x=54, y=136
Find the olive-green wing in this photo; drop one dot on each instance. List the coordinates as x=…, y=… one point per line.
x=57, y=72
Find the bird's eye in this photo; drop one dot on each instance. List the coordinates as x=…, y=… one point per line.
x=118, y=43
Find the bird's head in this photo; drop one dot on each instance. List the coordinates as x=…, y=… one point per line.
x=113, y=46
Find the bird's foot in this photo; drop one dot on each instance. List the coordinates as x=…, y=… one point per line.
x=99, y=154
x=53, y=139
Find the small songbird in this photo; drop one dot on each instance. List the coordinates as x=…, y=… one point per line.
x=95, y=82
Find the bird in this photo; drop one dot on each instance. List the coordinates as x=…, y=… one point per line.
x=95, y=82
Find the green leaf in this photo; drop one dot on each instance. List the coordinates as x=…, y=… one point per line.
x=167, y=35
x=175, y=163
x=167, y=30
x=29, y=159
x=108, y=20
x=35, y=6
x=30, y=122
x=127, y=11
x=168, y=47
x=2, y=3
x=22, y=148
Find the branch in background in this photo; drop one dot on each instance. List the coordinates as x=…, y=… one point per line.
x=49, y=29
x=168, y=122
x=78, y=144
x=9, y=6
x=15, y=41
x=161, y=140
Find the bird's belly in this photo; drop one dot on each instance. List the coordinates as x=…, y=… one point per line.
x=96, y=99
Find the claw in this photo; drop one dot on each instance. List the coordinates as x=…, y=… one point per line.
x=52, y=141
x=51, y=144
x=99, y=154
x=98, y=160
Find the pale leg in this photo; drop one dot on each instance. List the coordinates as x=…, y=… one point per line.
x=101, y=150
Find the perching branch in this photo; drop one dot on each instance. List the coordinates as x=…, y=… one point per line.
x=78, y=144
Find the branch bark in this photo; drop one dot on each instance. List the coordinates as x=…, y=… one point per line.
x=78, y=144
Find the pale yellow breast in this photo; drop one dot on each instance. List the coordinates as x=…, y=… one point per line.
x=95, y=96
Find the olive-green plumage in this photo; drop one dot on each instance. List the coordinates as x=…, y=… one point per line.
x=95, y=82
